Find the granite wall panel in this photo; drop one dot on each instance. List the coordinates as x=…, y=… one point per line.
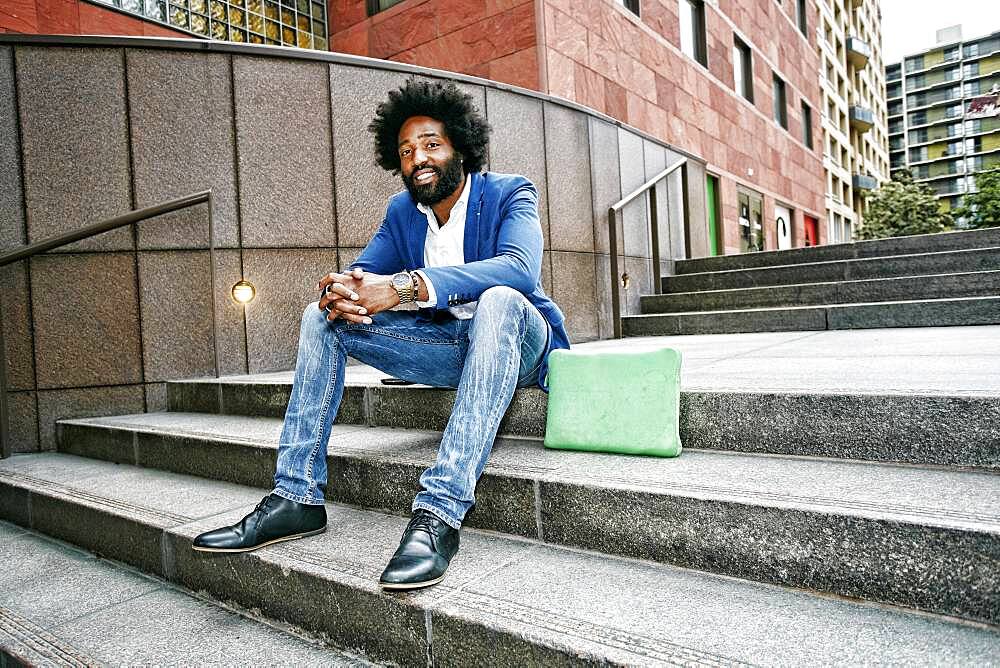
x=56, y=405
x=518, y=123
x=678, y=231
x=286, y=282
x=567, y=166
x=16, y=314
x=603, y=286
x=635, y=217
x=12, y=231
x=23, y=416
x=573, y=281
x=86, y=320
x=181, y=116
x=655, y=157
x=284, y=144
x=697, y=213
x=75, y=153
x=177, y=327
x=607, y=188
x=363, y=188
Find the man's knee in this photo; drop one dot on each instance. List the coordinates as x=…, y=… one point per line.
x=500, y=300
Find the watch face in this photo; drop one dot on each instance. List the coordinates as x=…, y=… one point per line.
x=400, y=280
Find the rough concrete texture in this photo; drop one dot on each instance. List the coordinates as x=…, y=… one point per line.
x=507, y=601
x=285, y=153
x=62, y=604
x=573, y=280
x=969, y=284
x=59, y=138
x=924, y=243
x=926, y=313
x=181, y=116
x=16, y=310
x=56, y=405
x=22, y=416
x=606, y=185
x=635, y=216
x=12, y=232
x=517, y=122
x=96, y=340
x=568, y=172
x=790, y=319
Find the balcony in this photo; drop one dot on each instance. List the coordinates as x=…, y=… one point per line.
x=864, y=182
x=862, y=118
x=858, y=52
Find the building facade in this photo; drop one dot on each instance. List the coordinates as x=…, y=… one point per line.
x=943, y=123
x=856, y=154
x=735, y=84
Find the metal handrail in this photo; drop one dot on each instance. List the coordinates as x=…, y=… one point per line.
x=85, y=232
x=654, y=238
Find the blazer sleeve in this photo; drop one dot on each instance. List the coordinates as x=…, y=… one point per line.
x=518, y=260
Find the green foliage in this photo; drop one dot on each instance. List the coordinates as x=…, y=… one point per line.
x=982, y=209
x=900, y=208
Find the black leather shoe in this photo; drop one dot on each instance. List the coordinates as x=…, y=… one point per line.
x=273, y=520
x=423, y=555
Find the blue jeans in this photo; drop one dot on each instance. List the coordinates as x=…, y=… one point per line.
x=486, y=357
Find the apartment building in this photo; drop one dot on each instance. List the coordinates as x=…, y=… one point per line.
x=944, y=121
x=855, y=127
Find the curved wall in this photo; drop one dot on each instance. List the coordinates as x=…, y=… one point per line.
x=93, y=127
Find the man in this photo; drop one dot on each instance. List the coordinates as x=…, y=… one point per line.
x=466, y=246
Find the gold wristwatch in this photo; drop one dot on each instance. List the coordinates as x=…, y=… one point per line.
x=402, y=283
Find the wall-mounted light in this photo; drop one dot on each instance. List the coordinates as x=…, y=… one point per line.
x=243, y=292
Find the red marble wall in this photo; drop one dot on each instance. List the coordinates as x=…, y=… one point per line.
x=494, y=39
x=601, y=55
x=73, y=17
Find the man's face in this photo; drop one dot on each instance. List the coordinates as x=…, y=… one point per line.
x=430, y=167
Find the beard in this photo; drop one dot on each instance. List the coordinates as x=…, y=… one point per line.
x=450, y=176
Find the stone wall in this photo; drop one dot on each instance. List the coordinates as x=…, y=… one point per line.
x=91, y=128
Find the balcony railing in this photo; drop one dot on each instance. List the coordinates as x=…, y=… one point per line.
x=862, y=118
x=858, y=52
x=864, y=182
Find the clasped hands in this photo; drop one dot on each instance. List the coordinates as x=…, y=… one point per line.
x=355, y=296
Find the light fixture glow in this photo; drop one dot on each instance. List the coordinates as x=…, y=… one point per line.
x=243, y=292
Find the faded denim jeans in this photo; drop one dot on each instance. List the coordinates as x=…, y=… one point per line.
x=486, y=357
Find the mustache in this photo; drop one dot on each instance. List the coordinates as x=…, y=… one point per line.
x=416, y=169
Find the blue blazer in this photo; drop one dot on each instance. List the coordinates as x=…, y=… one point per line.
x=503, y=246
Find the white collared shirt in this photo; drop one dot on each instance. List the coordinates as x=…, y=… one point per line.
x=445, y=247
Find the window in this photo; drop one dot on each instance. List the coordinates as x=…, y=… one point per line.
x=971, y=50
x=631, y=5
x=376, y=6
x=742, y=69
x=971, y=69
x=807, y=125
x=692, y=14
x=800, y=14
x=780, y=113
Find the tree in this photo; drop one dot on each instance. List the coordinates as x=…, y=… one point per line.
x=982, y=209
x=902, y=207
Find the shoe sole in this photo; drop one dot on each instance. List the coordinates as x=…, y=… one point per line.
x=257, y=547
x=410, y=585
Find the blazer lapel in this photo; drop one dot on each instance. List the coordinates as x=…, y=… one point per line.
x=470, y=247
x=416, y=237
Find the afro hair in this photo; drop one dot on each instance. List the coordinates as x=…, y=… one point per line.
x=466, y=128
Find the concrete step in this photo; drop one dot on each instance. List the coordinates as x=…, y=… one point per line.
x=66, y=607
x=970, y=284
x=962, y=311
x=948, y=262
x=923, y=243
x=505, y=601
x=863, y=530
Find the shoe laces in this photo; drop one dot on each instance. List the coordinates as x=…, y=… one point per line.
x=425, y=522
x=262, y=506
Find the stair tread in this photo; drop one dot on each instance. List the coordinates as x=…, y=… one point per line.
x=922, y=495
x=940, y=361
x=63, y=605
x=590, y=605
x=759, y=309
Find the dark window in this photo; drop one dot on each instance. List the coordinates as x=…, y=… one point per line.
x=376, y=6
x=780, y=113
x=692, y=15
x=631, y=5
x=807, y=125
x=801, y=15
x=742, y=69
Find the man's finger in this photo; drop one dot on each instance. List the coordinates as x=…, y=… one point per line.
x=333, y=277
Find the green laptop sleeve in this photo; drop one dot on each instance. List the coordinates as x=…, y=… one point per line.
x=622, y=401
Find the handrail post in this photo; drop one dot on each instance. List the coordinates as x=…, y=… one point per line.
x=5, y=445
x=654, y=240
x=616, y=306
x=211, y=279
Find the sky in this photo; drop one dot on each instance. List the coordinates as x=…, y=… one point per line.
x=909, y=26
